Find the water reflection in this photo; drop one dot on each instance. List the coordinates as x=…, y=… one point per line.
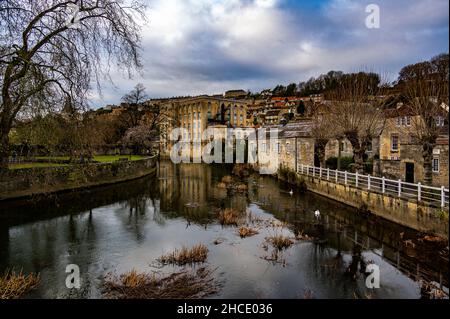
x=129, y=225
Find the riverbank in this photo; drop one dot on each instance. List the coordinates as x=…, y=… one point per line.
x=27, y=182
x=416, y=215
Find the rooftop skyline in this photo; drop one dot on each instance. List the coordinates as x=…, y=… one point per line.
x=193, y=47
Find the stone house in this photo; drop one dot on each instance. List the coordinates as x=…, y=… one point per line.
x=296, y=145
x=401, y=155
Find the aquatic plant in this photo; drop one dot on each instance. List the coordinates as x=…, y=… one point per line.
x=13, y=286
x=280, y=242
x=228, y=216
x=245, y=231
x=227, y=179
x=183, y=256
x=186, y=284
x=241, y=188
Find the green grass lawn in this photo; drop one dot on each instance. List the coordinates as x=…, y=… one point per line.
x=113, y=158
x=98, y=158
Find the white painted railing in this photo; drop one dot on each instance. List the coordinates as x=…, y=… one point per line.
x=437, y=196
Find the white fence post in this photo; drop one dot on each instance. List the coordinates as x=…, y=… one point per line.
x=368, y=182
x=419, y=190
x=383, y=184
x=307, y=170
x=399, y=188
x=443, y=196
x=328, y=174
x=345, y=178
x=356, y=179
x=320, y=172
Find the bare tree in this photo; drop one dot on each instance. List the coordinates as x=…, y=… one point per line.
x=136, y=96
x=426, y=91
x=322, y=131
x=132, y=114
x=51, y=54
x=356, y=111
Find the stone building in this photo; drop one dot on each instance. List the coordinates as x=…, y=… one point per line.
x=196, y=114
x=296, y=145
x=401, y=155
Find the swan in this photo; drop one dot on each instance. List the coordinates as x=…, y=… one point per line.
x=317, y=214
x=291, y=192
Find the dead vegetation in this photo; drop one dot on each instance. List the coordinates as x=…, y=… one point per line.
x=229, y=216
x=227, y=179
x=221, y=185
x=241, y=188
x=245, y=231
x=276, y=257
x=280, y=242
x=14, y=286
x=184, y=256
x=187, y=284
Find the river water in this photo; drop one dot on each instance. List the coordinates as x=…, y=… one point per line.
x=128, y=226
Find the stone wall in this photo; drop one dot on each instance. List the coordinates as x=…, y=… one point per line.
x=410, y=213
x=43, y=180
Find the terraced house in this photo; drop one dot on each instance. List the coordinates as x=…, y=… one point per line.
x=401, y=153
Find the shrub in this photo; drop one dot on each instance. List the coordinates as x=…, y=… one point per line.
x=346, y=161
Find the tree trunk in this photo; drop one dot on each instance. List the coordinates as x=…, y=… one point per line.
x=4, y=149
x=320, y=148
x=427, y=154
x=358, y=151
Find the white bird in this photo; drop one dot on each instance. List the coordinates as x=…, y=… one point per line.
x=291, y=192
x=317, y=214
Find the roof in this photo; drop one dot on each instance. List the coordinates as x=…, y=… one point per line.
x=273, y=113
x=297, y=129
x=289, y=98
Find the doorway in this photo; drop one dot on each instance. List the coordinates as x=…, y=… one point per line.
x=409, y=174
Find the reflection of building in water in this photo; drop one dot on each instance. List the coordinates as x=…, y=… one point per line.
x=184, y=188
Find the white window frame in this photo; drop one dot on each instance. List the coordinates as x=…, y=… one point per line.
x=392, y=143
x=436, y=160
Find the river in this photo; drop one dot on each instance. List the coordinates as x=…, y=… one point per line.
x=128, y=226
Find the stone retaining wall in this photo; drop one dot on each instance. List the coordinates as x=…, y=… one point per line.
x=43, y=180
x=406, y=212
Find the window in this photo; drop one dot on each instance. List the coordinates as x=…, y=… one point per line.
x=394, y=143
x=398, y=121
x=440, y=121
x=436, y=165
x=408, y=120
x=288, y=148
x=278, y=148
x=403, y=120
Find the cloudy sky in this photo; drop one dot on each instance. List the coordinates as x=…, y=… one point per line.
x=209, y=46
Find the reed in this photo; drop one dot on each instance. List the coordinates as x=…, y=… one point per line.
x=184, y=256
